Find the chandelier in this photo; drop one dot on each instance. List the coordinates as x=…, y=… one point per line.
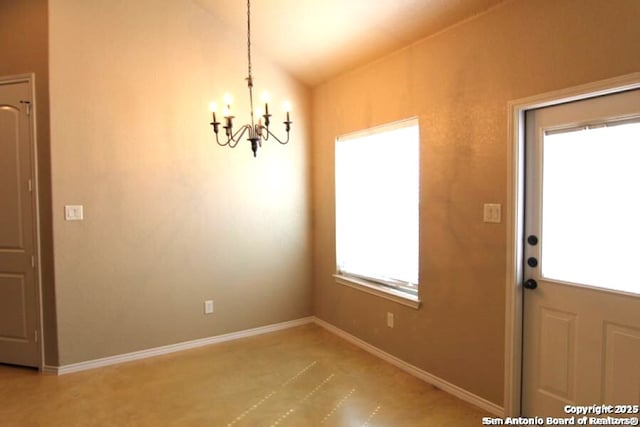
x=256, y=132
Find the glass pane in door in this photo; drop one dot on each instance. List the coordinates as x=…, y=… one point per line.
x=591, y=206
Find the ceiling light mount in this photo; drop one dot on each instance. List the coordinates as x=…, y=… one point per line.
x=257, y=132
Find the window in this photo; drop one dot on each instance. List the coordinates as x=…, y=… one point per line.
x=377, y=209
x=590, y=205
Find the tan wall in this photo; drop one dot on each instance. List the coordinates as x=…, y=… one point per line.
x=24, y=49
x=171, y=219
x=459, y=83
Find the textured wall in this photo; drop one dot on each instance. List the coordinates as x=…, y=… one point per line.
x=458, y=83
x=171, y=219
x=24, y=49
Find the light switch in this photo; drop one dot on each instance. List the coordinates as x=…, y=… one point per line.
x=493, y=213
x=73, y=213
x=208, y=306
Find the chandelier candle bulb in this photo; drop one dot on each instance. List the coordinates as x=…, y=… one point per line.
x=266, y=98
x=259, y=113
x=213, y=107
x=287, y=109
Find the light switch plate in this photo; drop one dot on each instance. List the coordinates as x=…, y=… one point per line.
x=73, y=213
x=208, y=306
x=493, y=213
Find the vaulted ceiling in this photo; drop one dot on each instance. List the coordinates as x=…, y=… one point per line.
x=315, y=40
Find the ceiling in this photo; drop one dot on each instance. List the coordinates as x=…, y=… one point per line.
x=315, y=40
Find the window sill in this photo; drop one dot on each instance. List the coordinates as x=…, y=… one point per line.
x=379, y=290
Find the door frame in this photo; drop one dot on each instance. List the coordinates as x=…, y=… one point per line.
x=515, y=219
x=30, y=79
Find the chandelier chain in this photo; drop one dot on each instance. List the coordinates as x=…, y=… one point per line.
x=249, y=36
x=249, y=78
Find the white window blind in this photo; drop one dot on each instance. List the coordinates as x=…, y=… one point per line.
x=377, y=204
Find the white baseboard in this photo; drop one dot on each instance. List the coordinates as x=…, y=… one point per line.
x=48, y=369
x=415, y=371
x=172, y=348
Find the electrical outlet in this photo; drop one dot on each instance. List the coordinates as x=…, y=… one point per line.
x=208, y=306
x=390, y=319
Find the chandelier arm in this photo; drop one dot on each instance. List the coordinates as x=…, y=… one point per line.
x=235, y=139
x=215, y=125
x=275, y=137
x=222, y=144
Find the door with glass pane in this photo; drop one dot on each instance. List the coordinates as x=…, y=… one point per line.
x=581, y=331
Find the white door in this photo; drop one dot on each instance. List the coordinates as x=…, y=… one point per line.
x=18, y=287
x=581, y=330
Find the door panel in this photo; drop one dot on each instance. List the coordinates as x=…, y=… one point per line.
x=581, y=324
x=19, y=318
x=621, y=372
x=556, y=345
x=13, y=323
x=11, y=213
